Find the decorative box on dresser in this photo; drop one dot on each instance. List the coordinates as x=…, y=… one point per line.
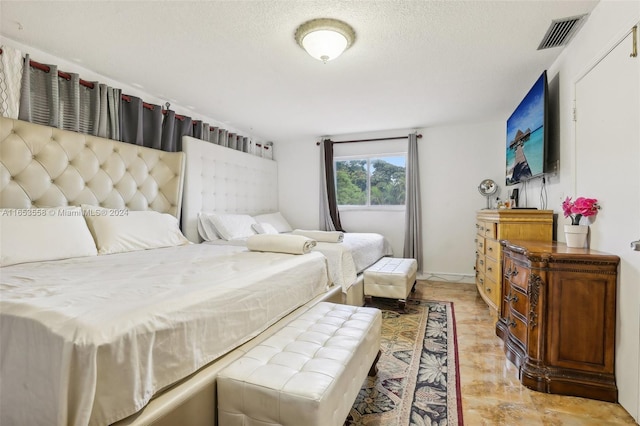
x=558, y=319
x=504, y=224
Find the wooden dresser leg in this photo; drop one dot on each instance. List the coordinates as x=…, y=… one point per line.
x=402, y=304
x=374, y=367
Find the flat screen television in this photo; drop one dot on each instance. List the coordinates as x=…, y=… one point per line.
x=527, y=135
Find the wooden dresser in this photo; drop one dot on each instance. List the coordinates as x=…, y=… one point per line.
x=493, y=226
x=558, y=320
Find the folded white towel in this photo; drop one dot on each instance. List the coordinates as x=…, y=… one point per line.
x=279, y=243
x=324, y=236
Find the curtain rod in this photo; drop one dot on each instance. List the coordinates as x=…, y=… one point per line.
x=370, y=140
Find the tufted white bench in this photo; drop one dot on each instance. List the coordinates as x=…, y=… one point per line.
x=307, y=374
x=390, y=277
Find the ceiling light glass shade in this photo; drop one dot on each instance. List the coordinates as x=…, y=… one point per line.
x=325, y=39
x=324, y=45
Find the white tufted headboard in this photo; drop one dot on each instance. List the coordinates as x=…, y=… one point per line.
x=44, y=166
x=223, y=180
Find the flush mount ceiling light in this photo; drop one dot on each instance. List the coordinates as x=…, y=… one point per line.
x=325, y=39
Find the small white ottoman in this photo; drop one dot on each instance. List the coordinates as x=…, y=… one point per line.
x=307, y=374
x=390, y=277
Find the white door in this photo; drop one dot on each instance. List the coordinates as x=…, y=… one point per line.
x=608, y=168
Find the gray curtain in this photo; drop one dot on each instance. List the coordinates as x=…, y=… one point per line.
x=69, y=96
x=141, y=125
x=202, y=130
x=329, y=214
x=173, y=129
x=214, y=135
x=108, y=125
x=413, y=213
x=11, y=72
x=49, y=99
x=39, y=97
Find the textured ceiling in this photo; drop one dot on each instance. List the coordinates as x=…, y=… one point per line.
x=414, y=63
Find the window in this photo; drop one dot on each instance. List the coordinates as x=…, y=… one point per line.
x=371, y=181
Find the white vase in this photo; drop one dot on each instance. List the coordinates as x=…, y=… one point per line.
x=576, y=235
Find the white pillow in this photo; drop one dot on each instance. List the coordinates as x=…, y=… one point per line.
x=264, y=228
x=33, y=235
x=275, y=219
x=121, y=230
x=231, y=226
x=206, y=229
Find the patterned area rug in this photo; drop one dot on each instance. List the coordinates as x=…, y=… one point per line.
x=418, y=375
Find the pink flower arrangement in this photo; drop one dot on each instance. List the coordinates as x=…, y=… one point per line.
x=580, y=207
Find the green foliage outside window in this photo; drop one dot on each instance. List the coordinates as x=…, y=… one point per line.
x=386, y=180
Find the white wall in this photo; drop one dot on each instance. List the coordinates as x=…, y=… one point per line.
x=603, y=28
x=453, y=160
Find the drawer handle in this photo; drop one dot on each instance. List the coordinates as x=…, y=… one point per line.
x=481, y=245
x=489, y=268
x=481, y=262
x=511, y=323
x=488, y=289
x=514, y=272
x=513, y=298
x=481, y=281
x=490, y=248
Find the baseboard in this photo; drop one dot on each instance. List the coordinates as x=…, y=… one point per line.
x=447, y=277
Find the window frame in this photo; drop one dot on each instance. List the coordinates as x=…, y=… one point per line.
x=368, y=158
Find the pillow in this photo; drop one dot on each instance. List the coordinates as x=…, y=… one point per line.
x=264, y=228
x=121, y=230
x=231, y=226
x=275, y=219
x=206, y=229
x=34, y=235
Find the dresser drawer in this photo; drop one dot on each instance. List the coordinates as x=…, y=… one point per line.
x=492, y=269
x=490, y=230
x=518, y=301
x=492, y=290
x=480, y=227
x=480, y=242
x=517, y=275
x=480, y=264
x=518, y=328
x=492, y=248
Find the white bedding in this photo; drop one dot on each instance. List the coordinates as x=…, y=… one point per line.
x=90, y=340
x=347, y=259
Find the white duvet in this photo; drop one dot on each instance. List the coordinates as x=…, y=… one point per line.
x=90, y=340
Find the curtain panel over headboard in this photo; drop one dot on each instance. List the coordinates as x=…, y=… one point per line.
x=63, y=100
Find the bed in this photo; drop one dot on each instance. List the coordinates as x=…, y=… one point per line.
x=114, y=317
x=229, y=183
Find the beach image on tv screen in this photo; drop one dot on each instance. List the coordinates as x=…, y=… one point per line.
x=525, y=136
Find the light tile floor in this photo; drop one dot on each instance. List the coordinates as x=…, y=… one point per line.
x=491, y=392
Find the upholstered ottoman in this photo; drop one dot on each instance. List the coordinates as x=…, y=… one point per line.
x=307, y=374
x=390, y=277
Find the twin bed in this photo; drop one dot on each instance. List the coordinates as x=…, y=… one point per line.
x=231, y=184
x=134, y=329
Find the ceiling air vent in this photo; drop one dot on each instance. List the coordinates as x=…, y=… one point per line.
x=561, y=31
